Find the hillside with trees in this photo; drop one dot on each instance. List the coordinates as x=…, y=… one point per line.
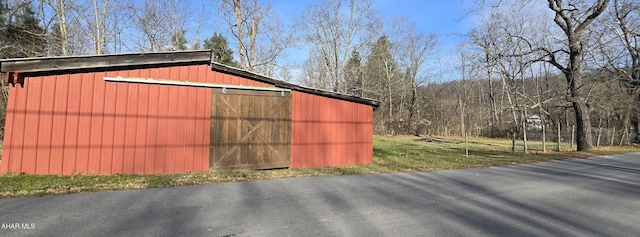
x=573, y=65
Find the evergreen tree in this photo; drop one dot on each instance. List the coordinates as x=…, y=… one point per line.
x=31, y=35
x=4, y=11
x=221, y=51
x=22, y=36
x=179, y=41
x=383, y=72
x=353, y=74
x=5, y=42
x=382, y=69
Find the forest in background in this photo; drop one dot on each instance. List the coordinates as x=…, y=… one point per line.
x=573, y=63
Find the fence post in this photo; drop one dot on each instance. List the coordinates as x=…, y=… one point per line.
x=573, y=134
x=624, y=134
x=513, y=142
x=466, y=142
x=599, y=134
x=544, y=144
x=524, y=132
x=613, y=134
x=559, y=137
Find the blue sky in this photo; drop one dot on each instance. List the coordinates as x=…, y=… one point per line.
x=446, y=18
x=435, y=16
x=431, y=16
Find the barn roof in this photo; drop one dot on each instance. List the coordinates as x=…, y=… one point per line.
x=15, y=70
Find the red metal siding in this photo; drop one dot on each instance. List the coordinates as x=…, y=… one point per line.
x=78, y=123
x=329, y=132
x=96, y=122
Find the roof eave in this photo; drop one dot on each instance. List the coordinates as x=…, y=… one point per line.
x=56, y=65
x=15, y=69
x=257, y=77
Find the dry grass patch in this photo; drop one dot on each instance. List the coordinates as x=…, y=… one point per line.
x=390, y=154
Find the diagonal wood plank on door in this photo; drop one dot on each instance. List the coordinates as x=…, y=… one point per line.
x=242, y=127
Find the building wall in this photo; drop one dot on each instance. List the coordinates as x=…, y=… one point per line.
x=329, y=132
x=78, y=123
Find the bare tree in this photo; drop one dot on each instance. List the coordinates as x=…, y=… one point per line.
x=615, y=38
x=574, y=18
x=314, y=75
x=627, y=29
x=69, y=31
x=284, y=73
x=161, y=25
x=260, y=34
x=566, y=53
x=99, y=29
x=415, y=49
x=462, y=93
x=485, y=40
x=331, y=28
x=60, y=9
x=510, y=31
x=84, y=27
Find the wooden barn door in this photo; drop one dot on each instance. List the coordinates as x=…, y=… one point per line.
x=250, y=129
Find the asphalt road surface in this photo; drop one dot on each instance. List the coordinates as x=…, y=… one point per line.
x=584, y=197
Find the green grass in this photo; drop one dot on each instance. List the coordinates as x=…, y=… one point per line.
x=415, y=154
x=390, y=154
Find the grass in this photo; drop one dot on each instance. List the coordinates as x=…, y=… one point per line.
x=390, y=154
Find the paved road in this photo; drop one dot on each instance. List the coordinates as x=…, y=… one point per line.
x=592, y=197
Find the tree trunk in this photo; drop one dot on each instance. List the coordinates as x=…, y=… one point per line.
x=565, y=19
x=462, y=125
x=583, y=125
x=61, y=15
x=580, y=107
x=492, y=100
x=390, y=124
x=99, y=33
x=253, y=34
x=243, y=50
x=524, y=130
x=412, y=102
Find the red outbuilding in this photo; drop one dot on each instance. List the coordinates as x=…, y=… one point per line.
x=172, y=112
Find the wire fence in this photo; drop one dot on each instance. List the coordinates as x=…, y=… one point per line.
x=601, y=137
